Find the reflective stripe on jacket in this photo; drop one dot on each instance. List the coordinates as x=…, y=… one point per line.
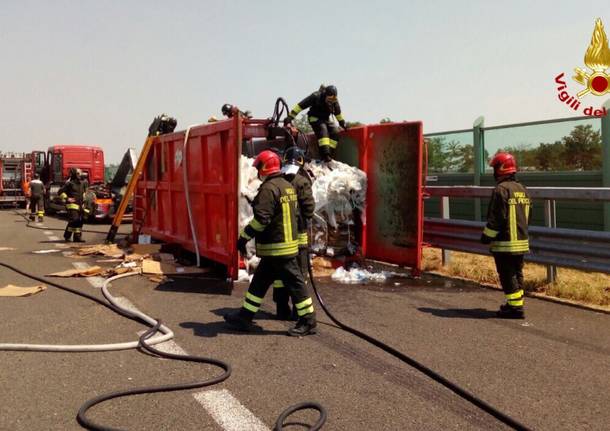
x=274, y=225
x=508, y=217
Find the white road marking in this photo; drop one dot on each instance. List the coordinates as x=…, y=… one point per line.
x=228, y=412
x=48, y=232
x=168, y=346
x=96, y=282
x=54, y=238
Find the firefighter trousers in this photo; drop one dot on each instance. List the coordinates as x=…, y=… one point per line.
x=36, y=206
x=327, y=134
x=280, y=294
x=510, y=272
x=75, y=224
x=278, y=268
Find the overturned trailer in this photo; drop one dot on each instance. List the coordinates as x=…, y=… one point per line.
x=390, y=154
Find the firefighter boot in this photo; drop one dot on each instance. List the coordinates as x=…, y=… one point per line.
x=41, y=219
x=67, y=235
x=32, y=218
x=306, y=325
x=281, y=298
x=78, y=238
x=508, y=312
x=240, y=321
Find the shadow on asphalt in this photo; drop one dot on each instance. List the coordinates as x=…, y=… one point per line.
x=207, y=285
x=460, y=313
x=212, y=329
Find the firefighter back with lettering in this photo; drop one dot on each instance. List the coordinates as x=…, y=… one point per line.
x=275, y=229
x=506, y=231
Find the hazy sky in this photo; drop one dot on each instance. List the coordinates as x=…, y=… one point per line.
x=97, y=72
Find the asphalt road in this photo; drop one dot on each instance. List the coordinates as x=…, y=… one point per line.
x=550, y=372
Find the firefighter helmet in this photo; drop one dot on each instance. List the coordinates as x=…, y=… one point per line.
x=73, y=173
x=330, y=90
x=267, y=163
x=503, y=164
x=294, y=156
x=227, y=110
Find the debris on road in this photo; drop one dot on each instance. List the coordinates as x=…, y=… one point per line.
x=85, y=272
x=19, y=291
x=53, y=250
x=358, y=275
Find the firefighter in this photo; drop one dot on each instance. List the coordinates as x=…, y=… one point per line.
x=37, y=191
x=322, y=104
x=72, y=193
x=275, y=230
x=294, y=172
x=506, y=231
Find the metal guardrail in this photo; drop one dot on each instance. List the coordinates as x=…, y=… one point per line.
x=573, y=248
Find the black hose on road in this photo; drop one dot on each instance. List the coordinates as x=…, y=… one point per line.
x=29, y=224
x=463, y=393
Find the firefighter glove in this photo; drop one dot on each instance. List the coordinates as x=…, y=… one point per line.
x=241, y=245
x=343, y=124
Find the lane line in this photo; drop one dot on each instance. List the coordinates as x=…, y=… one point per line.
x=54, y=238
x=48, y=232
x=169, y=346
x=228, y=412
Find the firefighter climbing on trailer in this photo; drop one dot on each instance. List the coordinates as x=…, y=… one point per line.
x=295, y=173
x=72, y=193
x=322, y=104
x=275, y=230
x=37, y=191
x=506, y=230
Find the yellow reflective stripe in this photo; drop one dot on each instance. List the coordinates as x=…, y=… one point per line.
x=277, y=245
x=323, y=141
x=527, y=213
x=40, y=213
x=244, y=235
x=332, y=143
x=256, y=225
x=86, y=210
x=295, y=110
x=250, y=307
x=253, y=298
x=77, y=230
x=305, y=311
x=304, y=303
x=278, y=284
x=515, y=302
x=516, y=295
x=508, y=246
x=303, y=239
x=512, y=217
x=339, y=117
x=72, y=206
x=63, y=196
x=490, y=232
x=287, y=222
x=312, y=119
x=275, y=253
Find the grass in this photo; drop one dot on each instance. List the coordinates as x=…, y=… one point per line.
x=589, y=288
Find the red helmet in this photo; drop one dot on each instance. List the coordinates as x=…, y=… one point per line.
x=503, y=164
x=267, y=163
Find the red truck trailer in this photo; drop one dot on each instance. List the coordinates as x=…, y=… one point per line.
x=390, y=154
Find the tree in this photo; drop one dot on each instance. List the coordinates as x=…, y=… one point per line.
x=583, y=148
x=550, y=157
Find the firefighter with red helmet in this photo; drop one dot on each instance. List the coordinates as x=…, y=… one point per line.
x=508, y=216
x=294, y=172
x=275, y=230
x=322, y=104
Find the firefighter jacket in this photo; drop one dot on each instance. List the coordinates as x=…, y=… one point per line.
x=274, y=225
x=36, y=188
x=73, y=191
x=319, y=110
x=302, y=184
x=507, y=218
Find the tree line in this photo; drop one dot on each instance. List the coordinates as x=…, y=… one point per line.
x=581, y=150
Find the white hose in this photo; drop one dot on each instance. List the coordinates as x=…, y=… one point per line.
x=186, y=191
x=168, y=334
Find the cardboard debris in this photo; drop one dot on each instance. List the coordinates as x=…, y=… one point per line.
x=86, y=272
x=158, y=279
x=134, y=257
x=109, y=260
x=164, y=257
x=322, y=267
x=16, y=291
x=146, y=248
x=109, y=250
x=150, y=266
